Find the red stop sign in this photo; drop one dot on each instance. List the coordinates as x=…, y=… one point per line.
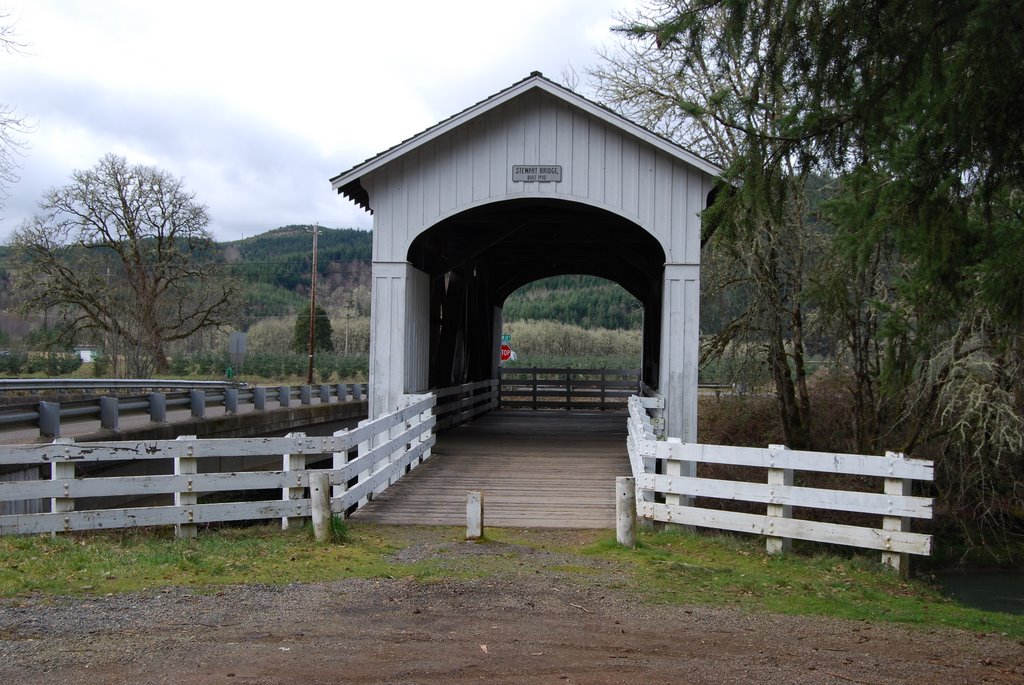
x=506, y=353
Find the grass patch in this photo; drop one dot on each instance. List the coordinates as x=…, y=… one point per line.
x=684, y=568
x=667, y=567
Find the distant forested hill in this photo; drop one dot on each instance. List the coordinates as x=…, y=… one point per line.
x=585, y=301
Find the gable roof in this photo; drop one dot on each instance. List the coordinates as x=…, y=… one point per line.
x=347, y=183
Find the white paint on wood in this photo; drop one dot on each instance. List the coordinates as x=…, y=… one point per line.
x=320, y=504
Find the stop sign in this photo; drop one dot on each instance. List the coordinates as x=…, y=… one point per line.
x=506, y=353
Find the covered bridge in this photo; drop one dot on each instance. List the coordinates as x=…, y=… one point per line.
x=534, y=181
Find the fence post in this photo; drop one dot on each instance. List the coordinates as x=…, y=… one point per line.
x=186, y=466
x=474, y=515
x=534, y=390
x=900, y=563
x=197, y=401
x=65, y=471
x=157, y=407
x=259, y=398
x=361, y=450
x=49, y=419
x=568, y=389
x=625, y=511
x=338, y=460
x=783, y=477
x=320, y=501
x=604, y=383
x=294, y=462
x=108, y=413
x=231, y=400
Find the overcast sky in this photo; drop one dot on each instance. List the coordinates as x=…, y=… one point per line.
x=257, y=104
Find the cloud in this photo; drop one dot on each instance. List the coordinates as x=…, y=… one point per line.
x=256, y=105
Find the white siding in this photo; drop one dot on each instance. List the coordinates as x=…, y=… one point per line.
x=601, y=166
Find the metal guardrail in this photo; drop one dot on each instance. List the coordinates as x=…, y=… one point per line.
x=108, y=410
x=103, y=384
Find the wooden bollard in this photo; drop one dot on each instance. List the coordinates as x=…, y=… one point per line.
x=320, y=500
x=474, y=515
x=625, y=511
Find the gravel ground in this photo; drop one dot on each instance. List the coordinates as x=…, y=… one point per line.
x=534, y=624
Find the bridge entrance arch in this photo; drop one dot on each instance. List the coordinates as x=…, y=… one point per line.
x=534, y=181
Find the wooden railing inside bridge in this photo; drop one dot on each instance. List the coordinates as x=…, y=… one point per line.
x=567, y=388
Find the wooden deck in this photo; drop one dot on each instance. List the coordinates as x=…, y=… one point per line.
x=536, y=469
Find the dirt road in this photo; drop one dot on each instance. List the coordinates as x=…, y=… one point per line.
x=536, y=625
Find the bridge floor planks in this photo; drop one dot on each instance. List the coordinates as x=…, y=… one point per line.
x=536, y=469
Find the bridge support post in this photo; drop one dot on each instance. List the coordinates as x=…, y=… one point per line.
x=49, y=419
x=474, y=515
x=231, y=400
x=157, y=407
x=197, y=401
x=108, y=413
x=625, y=511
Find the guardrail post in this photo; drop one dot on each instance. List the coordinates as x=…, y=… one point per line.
x=342, y=392
x=157, y=407
x=568, y=389
x=625, y=511
x=306, y=394
x=784, y=477
x=49, y=419
x=231, y=400
x=900, y=563
x=357, y=391
x=63, y=471
x=197, y=402
x=284, y=395
x=297, y=491
x=259, y=398
x=325, y=394
x=186, y=466
x=108, y=413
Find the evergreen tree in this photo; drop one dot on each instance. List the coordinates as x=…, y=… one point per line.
x=321, y=331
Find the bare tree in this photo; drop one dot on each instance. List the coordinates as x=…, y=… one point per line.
x=13, y=127
x=123, y=254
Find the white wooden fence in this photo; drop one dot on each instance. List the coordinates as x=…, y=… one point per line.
x=668, y=496
x=363, y=461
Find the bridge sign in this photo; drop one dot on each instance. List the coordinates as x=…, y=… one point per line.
x=506, y=353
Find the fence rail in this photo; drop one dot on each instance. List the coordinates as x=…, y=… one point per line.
x=550, y=388
x=362, y=462
x=667, y=483
x=108, y=410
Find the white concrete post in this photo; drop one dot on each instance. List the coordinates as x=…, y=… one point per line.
x=474, y=515
x=320, y=500
x=625, y=511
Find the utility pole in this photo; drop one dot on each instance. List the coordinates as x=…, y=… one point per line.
x=312, y=306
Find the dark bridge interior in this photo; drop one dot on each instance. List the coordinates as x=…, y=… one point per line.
x=479, y=257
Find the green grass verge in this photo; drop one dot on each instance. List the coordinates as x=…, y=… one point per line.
x=667, y=567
